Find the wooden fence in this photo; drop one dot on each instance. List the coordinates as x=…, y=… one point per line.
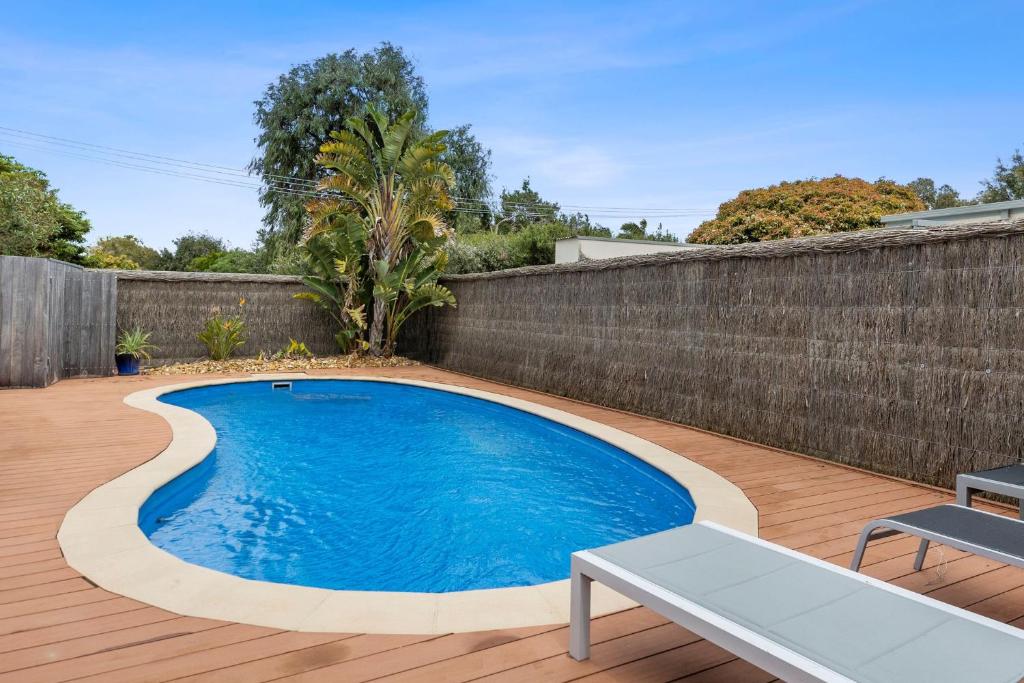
x=56, y=321
x=898, y=351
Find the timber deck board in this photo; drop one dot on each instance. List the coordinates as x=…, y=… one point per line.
x=58, y=443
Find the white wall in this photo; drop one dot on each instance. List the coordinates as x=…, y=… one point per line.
x=578, y=248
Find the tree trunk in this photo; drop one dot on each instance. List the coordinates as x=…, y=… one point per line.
x=377, y=327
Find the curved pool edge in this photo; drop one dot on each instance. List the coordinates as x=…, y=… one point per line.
x=101, y=539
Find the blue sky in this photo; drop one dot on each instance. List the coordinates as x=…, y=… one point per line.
x=667, y=105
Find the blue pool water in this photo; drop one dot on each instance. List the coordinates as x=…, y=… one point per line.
x=380, y=486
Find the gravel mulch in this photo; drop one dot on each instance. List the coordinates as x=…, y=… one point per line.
x=202, y=367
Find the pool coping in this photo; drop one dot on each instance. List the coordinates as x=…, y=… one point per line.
x=101, y=539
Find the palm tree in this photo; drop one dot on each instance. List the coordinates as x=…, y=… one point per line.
x=386, y=190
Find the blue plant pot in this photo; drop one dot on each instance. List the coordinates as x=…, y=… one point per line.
x=127, y=364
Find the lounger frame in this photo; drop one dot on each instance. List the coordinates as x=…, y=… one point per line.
x=881, y=528
x=750, y=646
x=974, y=482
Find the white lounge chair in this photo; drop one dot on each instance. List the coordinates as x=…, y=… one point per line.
x=796, y=617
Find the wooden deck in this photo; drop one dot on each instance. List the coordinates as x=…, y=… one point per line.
x=56, y=444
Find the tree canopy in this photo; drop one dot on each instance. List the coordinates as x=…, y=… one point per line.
x=189, y=250
x=806, y=207
x=33, y=220
x=230, y=261
x=941, y=197
x=1007, y=181
x=126, y=252
x=298, y=112
x=471, y=163
x=638, y=231
x=522, y=207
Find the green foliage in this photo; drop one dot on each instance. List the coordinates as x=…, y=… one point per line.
x=223, y=334
x=409, y=286
x=297, y=114
x=379, y=234
x=33, y=220
x=533, y=245
x=484, y=251
x=96, y=258
x=296, y=349
x=188, y=248
x=1007, y=181
x=523, y=207
x=231, y=261
x=194, y=252
x=941, y=197
x=124, y=248
x=336, y=259
x=638, y=231
x=134, y=342
x=805, y=207
x=471, y=163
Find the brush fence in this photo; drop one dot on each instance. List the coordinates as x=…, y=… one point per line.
x=896, y=351
x=174, y=307
x=56, y=321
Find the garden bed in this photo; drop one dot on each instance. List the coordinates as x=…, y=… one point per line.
x=250, y=365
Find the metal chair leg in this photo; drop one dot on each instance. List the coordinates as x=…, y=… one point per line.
x=862, y=544
x=922, y=549
x=579, y=616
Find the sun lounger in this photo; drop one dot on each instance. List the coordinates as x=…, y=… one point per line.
x=796, y=617
x=973, y=531
x=1008, y=481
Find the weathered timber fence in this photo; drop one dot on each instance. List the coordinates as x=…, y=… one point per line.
x=56, y=321
x=897, y=351
x=174, y=306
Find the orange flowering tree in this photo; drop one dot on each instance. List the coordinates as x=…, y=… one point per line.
x=805, y=207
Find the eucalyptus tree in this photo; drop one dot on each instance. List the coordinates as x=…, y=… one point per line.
x=385, y=194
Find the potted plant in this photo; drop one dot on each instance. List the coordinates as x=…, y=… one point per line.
x=132, y=346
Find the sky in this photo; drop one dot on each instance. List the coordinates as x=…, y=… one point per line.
x=672, y=107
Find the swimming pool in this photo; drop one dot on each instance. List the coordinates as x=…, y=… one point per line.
x=375, y=486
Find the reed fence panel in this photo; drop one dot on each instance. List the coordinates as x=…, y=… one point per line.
x=896, y=351
x=175, y=306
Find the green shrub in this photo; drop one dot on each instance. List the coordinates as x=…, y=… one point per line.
x=804, y=208
x=296, y=349
x=481, y=252
x=223, y=335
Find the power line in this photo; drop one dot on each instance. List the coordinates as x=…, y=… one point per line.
x=161, y=171
x=145, y=156
x=218, y=181
x=592, y=210
x=294, y=184
x=289, y=185
x=303, y=194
